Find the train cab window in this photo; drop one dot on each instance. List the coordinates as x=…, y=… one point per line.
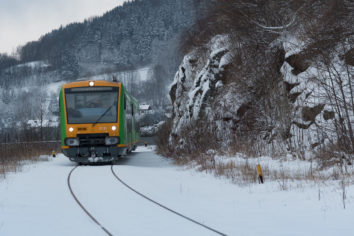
x=87, y=105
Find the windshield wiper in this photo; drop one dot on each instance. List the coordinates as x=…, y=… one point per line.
x=103, y=114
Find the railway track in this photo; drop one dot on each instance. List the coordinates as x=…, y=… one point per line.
x=138, y=193
x=165, y=207
x=82, y=206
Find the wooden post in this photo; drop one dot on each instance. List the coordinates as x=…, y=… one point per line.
x=260, y=174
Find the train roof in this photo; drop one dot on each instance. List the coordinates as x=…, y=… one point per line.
x=95, y=83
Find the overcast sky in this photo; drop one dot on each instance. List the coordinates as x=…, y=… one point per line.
x=26, y=20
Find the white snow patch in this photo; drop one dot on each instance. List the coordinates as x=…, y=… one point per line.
x=292, y=45
x=34, y=64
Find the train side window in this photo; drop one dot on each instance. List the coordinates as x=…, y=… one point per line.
x=132, y=109
x=125, y=102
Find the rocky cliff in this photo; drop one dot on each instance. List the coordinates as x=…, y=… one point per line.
x=267, y=92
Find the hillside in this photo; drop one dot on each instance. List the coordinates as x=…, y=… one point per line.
x=139, y=35
x=128, y=36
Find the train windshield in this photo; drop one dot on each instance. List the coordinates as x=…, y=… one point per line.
x=86, y=105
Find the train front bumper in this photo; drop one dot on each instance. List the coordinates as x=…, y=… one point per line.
x=93, y=154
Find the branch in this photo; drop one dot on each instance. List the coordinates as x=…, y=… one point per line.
x=282, y=27
x=276, y=27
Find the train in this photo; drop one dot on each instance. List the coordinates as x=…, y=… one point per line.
x=98, y=121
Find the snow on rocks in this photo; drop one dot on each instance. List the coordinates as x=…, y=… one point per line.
x=304, y=109
x=313, y=93
x=205, y=84
x=193, y=88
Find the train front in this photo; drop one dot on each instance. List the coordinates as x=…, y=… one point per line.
x=89, y=118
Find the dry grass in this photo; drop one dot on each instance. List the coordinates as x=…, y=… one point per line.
x=285, y=174
x=162, y=138
x=288, y=174
x=13, y=156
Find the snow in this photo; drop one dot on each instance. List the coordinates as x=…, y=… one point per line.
x=44, y=123
x=54, y=87
x=144, y=73
x=139, y=75
x=292, y=45
x=192, y=87
x=151, y=130
x=313, y=86
x=38, y=200
x=219, y=84
x=219, y=41
x=47, y=93
x=34, y=64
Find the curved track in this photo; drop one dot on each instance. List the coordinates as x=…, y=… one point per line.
x=164, y=207
x=138, y=193
x=82, y=207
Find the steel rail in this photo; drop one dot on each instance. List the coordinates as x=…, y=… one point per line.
x=164, y=207
x=82, y=207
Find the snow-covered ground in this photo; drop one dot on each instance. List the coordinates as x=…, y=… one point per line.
x=37, y=201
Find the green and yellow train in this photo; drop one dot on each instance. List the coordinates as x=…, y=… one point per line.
x=98, y=121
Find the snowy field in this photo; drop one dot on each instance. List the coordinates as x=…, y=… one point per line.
x=37, y=202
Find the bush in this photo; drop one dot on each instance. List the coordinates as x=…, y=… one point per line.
x=13, y=155
x=162, y=138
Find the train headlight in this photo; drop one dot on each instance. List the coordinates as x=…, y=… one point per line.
x=111, y=140
x=71, y=129
x=114, y=128
x=72, y=142
x=92, y=83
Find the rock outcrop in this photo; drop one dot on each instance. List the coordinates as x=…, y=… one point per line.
x=302, y=116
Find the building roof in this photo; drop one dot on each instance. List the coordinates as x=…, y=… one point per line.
x=144, y=107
